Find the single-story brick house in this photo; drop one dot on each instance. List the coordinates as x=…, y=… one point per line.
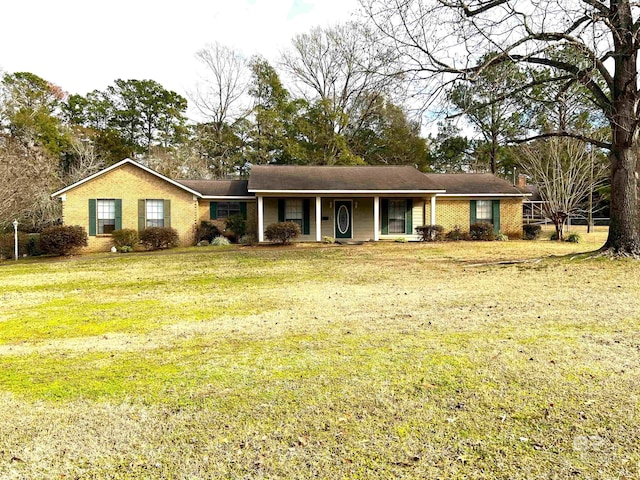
x=368, y=203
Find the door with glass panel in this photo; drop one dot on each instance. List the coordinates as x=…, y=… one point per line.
x=343, y=218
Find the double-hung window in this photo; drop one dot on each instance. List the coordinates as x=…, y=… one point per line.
x=106, y=216
x=154, y=213
x=226, y=209
x=293, y=212
x=484, y=211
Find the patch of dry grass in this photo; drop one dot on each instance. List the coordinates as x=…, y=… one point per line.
x=374, y=361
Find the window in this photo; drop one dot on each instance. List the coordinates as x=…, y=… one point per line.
x=155, y=213
x=397, y=212
x=226, y=209
x=484, y=211
x=293, y=212
x=106, y=216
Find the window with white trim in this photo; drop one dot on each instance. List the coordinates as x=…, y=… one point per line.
x=397, y=219
x=226, y=209
x=484, y=211
x=293, y=212
x=155, y=213
x=106, y=216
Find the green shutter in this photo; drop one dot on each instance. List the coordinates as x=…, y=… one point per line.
x=92, y=217
x=243, y=209
x=306, y=216
x=167, y=213
x=213, y=210
x=281, y=210
x=496, y=216
x=472, y=210
x=385, y=216
x=118, y=205
x=142, y=204
x=409, y=217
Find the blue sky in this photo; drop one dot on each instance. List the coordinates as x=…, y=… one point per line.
x=82, y=46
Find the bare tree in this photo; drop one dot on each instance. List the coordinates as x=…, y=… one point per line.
x=219, y=94
x=342, y=66
x=444, y=40
x=566, y=172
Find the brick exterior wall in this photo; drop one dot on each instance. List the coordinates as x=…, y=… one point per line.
x=252, y=214
x=130, y=184
x=451, y=212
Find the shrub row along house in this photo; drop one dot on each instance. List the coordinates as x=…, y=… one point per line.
x=366, y=203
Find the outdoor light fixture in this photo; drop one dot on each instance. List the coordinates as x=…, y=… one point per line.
x=15, y=238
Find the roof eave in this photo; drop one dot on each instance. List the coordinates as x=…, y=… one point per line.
x=349, y=192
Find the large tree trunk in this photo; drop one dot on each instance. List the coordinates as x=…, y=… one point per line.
x=624, y=236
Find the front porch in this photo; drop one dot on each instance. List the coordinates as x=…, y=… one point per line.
x=345, y=217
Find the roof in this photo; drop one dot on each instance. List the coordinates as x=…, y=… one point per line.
x=474, y=184
x=339, y=179
x=218, y=188
x=117, y=165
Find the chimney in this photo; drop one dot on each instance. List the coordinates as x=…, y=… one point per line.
x=522, y=180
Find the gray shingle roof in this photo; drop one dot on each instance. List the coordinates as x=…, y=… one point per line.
x=473, y=184
x=265, y=178
x=218, y=188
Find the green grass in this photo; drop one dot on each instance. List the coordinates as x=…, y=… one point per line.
x=375, y=361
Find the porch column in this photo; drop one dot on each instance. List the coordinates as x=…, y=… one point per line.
x=376, y=218
x=433, y=209
x=260, y=219
x=318, y=219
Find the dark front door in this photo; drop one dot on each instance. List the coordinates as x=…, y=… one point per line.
x=343, y=218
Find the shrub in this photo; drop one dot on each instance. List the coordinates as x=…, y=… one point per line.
x=248, y=239
x=125, y=238
x=207, y=231
x=573, y=238
x=400, y=240
x=282, y=232
x=33, y=245
x=553, y=236
x=158, y=238
x=431, y=233
x=501, y=237
x=220, y=241
x=531, y=232
x=481, y=231
x=328, y=239
x=62, y=239
x=457, y=234
x=7, y=244
x=238, y=225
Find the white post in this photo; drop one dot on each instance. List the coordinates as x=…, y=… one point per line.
x=433, y=209
x=260, y=219
x=376, y=218
x=318, y=219
x=15, y=239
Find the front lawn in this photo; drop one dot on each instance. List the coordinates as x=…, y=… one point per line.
x=374, y=361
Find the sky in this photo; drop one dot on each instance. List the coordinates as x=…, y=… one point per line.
x=83, y=45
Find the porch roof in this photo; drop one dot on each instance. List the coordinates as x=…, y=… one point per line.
x=339, y=179
x=470, y=184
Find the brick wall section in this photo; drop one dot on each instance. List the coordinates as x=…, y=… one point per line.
x=451, y=212
x=130, y=183
x=252, y=214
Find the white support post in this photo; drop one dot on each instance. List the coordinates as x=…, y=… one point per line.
x=318, y=219
x=433, y=210
x=376, y=218
x=260, y=219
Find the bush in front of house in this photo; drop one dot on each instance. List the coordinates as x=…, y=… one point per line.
x=220, y=241
x=501, y=237
x=282, y=232
x=33, y=245
x=238, y=225
x=457, y=234
x=62, y=239
x=482, y=231
x=7, y=244
x=124, y=240
x=159, y=238
x=531, y=232
x=207, y=231
x=431, y=233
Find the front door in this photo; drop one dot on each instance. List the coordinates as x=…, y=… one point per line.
x=343, y=218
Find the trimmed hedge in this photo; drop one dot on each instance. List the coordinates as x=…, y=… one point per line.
x=282, y=232
x=431, y=233
x=457, y=234
x=62, y=239
x=7, y=244
x=159, y=238
x=125, y=238
x=482, y=231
